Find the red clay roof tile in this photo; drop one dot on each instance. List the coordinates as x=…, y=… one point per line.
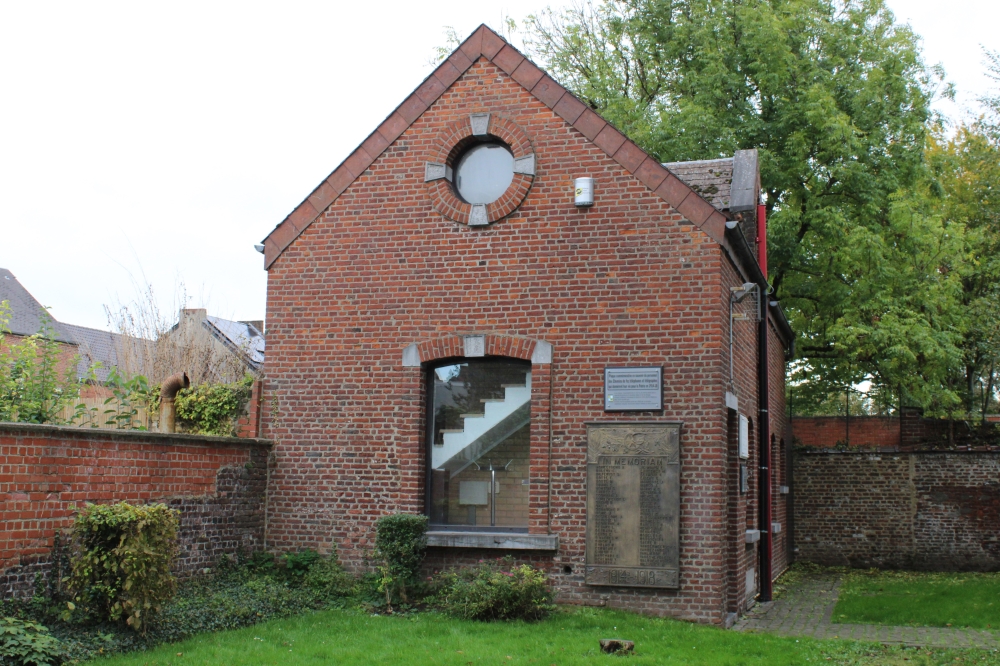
x=492, y=42
x=629, y=156
x=672, y=190
x=651, y=173
x=461, y=60
x=610, y=140
x=548, y=91
x=447, y=73
x=322, y=197
x=508, y=59
x=569, y=108
x=527, y=74
x=590, y=124
x=340, y=179
x=393, y=126
x=695, y=208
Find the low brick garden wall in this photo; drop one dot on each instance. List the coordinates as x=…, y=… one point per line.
x=923, y=510
x=218, y=483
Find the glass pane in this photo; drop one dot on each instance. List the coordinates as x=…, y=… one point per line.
x=484, y=173
x=480, y=448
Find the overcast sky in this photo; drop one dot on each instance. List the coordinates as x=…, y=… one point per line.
x=158, y=142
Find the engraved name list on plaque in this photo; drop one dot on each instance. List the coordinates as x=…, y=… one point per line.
x=633, y=504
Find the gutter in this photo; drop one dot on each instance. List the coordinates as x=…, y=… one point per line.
x=739, y=244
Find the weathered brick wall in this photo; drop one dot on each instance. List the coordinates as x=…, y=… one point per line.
x=627, y=282
x=881, y=432
x=920, y=510
x=248, y=425
x=218, y=483
x=907, y=432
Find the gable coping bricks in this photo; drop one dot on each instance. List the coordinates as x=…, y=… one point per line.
x=484, y=43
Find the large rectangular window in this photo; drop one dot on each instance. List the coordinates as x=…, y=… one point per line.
x=480, y=416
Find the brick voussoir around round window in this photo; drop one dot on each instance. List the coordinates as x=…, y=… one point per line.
x=473, y=157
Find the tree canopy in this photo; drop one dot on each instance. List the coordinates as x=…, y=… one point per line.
x=873, y=211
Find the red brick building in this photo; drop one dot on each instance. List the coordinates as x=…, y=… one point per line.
x=440, y=306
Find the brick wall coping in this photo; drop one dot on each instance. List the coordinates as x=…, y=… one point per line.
x=70, y=432
x=828, y=452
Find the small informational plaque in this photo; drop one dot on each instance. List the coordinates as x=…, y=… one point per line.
x=633, y=389
x=633, y=504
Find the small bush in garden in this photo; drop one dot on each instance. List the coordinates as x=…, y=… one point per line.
x=495, y=590
x=121, y=565
x=327, y=577
x=400, y=542
x=25, y=643
x=261, y=562
x=295, y=566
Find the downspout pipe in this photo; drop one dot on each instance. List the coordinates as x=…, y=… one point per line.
x=764, y=421
x=753, y=265
x=168, y=391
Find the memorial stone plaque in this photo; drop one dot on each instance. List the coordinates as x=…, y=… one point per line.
x=633, y=389
x=633, y=504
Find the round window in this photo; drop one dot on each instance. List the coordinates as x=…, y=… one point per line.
x=484, y=172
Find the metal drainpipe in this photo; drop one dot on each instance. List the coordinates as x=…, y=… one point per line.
x=168, y=391
x=763, y=420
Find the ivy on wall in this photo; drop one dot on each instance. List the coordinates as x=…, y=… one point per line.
x=213, y=409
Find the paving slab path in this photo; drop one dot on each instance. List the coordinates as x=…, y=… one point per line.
x=805, y=608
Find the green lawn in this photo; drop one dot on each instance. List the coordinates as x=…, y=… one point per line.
x=921, y=599
x=569, y=637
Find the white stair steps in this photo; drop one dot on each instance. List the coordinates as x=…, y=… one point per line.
x=482, y=432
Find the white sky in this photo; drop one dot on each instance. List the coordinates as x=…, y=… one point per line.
x=160, y=141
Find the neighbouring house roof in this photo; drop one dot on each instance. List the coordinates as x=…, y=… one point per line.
x=27, y=314
x=241, y=337
x=97, y=346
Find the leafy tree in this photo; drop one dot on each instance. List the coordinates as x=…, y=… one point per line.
x=965, y=170
x=834, y=95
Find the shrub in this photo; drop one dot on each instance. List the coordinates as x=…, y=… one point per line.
x=295, y=566
x=400, y=542
x=122, y=558
x=24, y=643
x=327, y=577
x=212, y=409
x=495, y=590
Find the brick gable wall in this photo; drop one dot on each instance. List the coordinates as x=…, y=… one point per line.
x=627, y=282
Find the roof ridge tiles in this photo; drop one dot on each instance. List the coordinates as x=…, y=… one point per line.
x=485, y=43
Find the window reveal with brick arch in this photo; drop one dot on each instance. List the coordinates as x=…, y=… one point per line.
x=481, y=169
x=480, y=421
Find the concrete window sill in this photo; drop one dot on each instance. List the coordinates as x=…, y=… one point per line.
x=497, y=540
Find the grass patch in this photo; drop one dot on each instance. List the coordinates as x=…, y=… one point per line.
x=569, y=637
x=920, y=599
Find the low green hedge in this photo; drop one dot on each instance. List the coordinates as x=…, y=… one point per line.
x=494, y=590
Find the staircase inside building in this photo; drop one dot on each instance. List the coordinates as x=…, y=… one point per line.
x=482, y=432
